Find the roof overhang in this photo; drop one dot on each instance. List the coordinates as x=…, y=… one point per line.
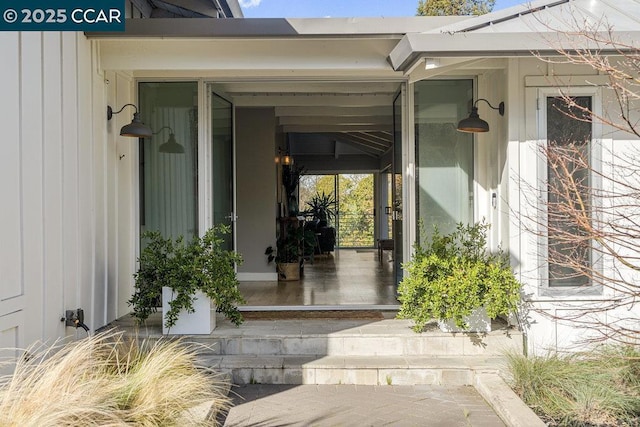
x=276, y=27
x=414, y=47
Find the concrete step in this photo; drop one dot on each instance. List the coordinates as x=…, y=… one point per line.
x=370, y=370
x=389, y=337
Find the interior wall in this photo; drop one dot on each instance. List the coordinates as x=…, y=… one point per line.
x=256, y=191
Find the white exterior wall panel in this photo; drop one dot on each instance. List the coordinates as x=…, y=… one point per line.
x=53, y=181
x=549, y=324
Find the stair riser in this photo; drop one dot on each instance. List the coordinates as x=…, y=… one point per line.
x=370, y=376
x=460, y=345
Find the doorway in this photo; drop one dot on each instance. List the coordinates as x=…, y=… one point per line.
x=342, y=134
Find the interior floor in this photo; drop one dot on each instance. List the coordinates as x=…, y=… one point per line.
x=346, y=278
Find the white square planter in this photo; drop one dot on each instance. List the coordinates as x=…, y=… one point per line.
x=200, y=322
x=478, y=321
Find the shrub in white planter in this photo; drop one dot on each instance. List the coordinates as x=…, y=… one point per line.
x=200, y=265
x=452, y=275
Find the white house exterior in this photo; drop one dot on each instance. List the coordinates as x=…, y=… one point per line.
x=71, y=184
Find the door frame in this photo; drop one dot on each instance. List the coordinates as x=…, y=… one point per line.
x=206, y=143
x=205, y=208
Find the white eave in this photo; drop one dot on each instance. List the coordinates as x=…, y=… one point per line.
x=277, y=27
x=534, y=28
x=414, y=47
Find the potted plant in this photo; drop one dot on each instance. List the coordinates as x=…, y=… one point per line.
x=322, y=207
x=189, y=277
x=454, y=279
x=288, y=252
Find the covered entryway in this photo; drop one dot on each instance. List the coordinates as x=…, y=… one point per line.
x=341, y=131
x=323, y=92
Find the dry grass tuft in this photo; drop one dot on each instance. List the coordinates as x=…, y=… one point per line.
x=108, y=380
x=600, y=388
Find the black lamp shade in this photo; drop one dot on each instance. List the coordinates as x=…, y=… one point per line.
x=171, y=146
x=136, y=128
x=473, y=123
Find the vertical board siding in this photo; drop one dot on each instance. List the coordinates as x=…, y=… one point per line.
x=86, y=198
x=10, y=214
x=126, y=165
x=47, y=220
x=70, y=179
x=31, y=164
x=53, y=208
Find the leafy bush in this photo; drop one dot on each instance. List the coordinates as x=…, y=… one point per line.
x=601, y=388
x=451, y=275
x=201, y=264
x=107, y=379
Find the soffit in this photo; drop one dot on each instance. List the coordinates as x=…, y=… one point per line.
x=189, y=8
x=317, y=114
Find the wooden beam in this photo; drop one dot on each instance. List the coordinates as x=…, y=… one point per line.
x=333, y=128
x=351, y=138
x=333, y=111
x=301, y=100
x=340, y=120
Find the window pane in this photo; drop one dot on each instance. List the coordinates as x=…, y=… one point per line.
x=444, y=155
x=169, y=180
x=356, y=221
x=568, y=147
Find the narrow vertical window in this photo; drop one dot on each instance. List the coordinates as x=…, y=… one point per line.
x=569, y=135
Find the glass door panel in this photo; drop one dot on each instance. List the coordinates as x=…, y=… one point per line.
x=169, y=159
x=444, y=156
x=396, y=189
x=223, y=170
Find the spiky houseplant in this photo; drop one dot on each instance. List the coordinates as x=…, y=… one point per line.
x=452, y=275
x=322, y=207
x=199, y=265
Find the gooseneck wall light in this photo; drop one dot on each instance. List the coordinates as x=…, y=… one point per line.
x=135, y=129
x=474, y=123
x=171, y=146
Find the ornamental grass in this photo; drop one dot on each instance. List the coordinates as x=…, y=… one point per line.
x=110, y=380
x=599, y=388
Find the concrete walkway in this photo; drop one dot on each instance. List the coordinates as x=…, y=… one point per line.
x=355, y=405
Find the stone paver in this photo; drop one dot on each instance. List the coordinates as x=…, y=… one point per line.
x=355, y=405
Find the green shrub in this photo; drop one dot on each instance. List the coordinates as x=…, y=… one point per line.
x=451, y=275
x=600, y=388
x=202, y=264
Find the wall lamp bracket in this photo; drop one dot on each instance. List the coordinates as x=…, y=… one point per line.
x=473, y=123
x=135, y=129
